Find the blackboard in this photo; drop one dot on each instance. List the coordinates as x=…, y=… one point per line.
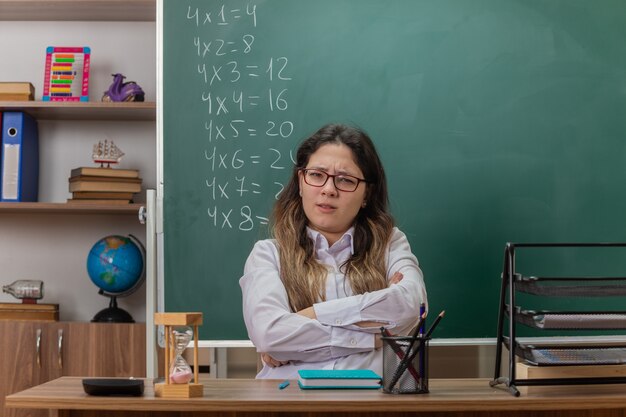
x=497, y=120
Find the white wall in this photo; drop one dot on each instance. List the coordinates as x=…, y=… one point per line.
x=54, y=247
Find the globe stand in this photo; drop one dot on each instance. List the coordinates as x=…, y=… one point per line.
x=112, y=314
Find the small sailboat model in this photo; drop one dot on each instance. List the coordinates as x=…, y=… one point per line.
x=106, y=153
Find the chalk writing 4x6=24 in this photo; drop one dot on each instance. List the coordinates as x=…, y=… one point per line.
x=236, y=162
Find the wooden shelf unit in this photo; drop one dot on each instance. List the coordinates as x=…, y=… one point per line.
x=68, y=208
x=78, y=10
x=89, y=110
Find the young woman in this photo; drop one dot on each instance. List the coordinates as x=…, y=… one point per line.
x=315, y=296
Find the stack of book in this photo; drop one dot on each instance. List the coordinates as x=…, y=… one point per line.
x=92, y=185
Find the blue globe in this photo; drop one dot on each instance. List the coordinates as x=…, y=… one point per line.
x=115, y=264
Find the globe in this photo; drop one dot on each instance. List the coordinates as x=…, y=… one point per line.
x=115, y=264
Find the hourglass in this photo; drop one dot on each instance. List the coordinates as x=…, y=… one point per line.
x=178, y=375
x=180, y=372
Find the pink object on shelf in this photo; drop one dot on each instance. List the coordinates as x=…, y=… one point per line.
x=181, y=377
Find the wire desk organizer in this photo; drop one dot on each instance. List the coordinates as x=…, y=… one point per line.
x=555, y=354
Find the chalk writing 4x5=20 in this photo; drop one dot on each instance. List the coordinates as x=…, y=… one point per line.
x=284, y=129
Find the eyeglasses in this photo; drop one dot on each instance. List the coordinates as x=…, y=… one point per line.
x=343, y=182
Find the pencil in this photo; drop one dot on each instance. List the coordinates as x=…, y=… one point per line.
x=404, y=362
x=435, y=323
x=424, y=339
x=409, y=357
x=398, y=350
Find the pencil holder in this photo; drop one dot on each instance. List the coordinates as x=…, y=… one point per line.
x=405, y=365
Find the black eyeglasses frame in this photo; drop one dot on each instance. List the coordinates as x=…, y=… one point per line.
x=358, y=180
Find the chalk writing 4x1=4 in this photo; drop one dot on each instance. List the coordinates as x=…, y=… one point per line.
x=221, y=16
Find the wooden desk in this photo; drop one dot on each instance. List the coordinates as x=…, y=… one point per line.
x=231, y=397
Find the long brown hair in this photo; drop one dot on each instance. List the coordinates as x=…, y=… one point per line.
x=303, y=276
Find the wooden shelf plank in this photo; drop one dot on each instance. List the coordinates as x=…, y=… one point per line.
x=78, y=10
x=68, y=208
x=86, y=110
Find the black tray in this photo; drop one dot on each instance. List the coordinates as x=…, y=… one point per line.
x=572, y=355
x=113, y=386
x=572, y=320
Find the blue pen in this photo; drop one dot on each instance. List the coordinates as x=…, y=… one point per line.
x=283, y=384
x=422, y=353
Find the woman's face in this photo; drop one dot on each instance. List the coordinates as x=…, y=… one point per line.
x=331, y=211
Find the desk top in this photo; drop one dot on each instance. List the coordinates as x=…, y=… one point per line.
x=232, y=395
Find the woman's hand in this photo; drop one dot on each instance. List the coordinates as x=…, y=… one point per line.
x=271, y=362
x=308, y=312
x=395, y=278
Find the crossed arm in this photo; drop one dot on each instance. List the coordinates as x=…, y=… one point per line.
x=309, y=312
x=333, y=328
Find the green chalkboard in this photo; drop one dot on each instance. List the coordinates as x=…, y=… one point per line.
x=497, y=120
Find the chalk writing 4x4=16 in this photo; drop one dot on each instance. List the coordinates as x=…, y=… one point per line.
x=224, y=104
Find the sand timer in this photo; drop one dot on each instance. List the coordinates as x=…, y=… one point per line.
x=180, y=371
x=180, y=329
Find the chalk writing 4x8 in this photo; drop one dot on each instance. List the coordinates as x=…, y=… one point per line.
x=244, y=220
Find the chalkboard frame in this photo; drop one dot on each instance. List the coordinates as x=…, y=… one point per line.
x=603, y=65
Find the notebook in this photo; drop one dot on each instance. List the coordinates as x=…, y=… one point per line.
x=338, y=378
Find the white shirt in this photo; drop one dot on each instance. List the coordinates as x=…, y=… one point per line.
x=333, y=341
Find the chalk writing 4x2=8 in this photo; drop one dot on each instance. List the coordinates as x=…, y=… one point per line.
x=220, y=47
x=235, y=161
x=232, y=71
x=284, y=129
x=222, y=16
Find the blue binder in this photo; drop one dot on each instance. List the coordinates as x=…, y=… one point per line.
x=19, y=168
